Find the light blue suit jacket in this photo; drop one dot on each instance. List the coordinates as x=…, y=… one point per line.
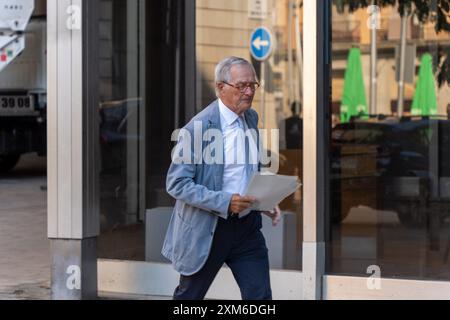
x=200, y=201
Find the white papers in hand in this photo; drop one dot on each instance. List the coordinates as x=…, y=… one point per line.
x=270, y=191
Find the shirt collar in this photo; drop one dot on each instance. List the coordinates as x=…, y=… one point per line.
x=229, y=116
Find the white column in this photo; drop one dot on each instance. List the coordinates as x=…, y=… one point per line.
x=315, y=97
x=72, y=113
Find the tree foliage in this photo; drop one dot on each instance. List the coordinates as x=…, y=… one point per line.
x=434, y=11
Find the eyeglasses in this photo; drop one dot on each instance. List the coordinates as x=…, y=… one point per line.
x=242, y=87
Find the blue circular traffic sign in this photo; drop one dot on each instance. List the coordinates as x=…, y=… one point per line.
x=261, y=44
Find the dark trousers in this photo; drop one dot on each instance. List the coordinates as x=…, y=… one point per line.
x=240, y=244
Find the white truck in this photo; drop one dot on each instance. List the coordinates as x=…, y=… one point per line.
x=23, y=84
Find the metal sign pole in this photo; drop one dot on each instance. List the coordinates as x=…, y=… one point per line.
x=263, y=94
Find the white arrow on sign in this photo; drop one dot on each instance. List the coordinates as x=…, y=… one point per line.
x=258, y=43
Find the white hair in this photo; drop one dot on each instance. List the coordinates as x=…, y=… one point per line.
x=223, y=68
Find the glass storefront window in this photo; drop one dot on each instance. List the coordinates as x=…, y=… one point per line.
x=389, y=174
x=224, y=28
x=140, y=71
x=142, y=64
x=121, y=104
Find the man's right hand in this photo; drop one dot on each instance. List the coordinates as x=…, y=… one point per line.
x=239, y=204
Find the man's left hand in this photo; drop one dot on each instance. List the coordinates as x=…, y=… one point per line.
x=275, y=215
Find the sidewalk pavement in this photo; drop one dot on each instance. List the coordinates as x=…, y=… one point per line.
x=24, y=247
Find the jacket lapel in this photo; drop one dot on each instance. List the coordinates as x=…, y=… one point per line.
x=215, y=123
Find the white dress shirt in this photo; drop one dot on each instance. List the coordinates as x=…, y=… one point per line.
x=235, y=174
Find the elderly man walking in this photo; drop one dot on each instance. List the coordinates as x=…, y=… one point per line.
x=207, y=228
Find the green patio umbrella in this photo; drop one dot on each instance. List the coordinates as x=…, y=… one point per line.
x=354, y=100
x=425, y=101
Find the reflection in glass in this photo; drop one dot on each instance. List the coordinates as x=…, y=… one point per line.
x=142, y=63
x=120, y=109
x=224, y=29
x=140, y=88
x=389, y=177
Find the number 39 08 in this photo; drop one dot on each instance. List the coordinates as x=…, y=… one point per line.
x=15, y=102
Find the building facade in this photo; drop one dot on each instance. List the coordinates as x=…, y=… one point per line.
x=370, y=220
